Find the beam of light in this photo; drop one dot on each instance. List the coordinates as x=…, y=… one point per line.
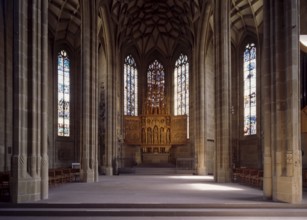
x=212, y=187
x=192, y=177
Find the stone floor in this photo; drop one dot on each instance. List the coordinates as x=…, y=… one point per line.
x=175, y=193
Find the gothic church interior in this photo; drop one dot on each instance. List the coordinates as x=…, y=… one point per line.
x=218, y=87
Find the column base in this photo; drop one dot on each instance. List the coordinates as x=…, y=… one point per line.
x=109, y=171
x=201, y=171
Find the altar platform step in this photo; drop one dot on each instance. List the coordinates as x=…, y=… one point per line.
x=153, y=210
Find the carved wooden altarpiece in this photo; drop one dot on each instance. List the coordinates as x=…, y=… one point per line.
x=155, y=131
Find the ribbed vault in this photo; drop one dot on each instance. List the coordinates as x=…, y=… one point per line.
x=246, y=16
x=65, y=20
x=155, y=24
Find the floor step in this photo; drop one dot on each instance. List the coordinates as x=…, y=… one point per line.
x=150, y=210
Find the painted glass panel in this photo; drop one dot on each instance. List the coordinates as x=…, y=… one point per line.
x=131, y=87
x=63, y=94
x=181, y=87
x=250, y=89
x=155, y=84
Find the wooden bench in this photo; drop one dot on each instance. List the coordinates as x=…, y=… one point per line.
x=248, y=176
x=64, y=175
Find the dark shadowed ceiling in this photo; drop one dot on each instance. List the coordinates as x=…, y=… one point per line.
x=156, y=24
x=65, y=20
x=246, y=16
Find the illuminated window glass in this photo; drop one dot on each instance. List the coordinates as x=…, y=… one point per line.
x=131, y=87
x=63, y=94
x=181, y=87
x=250, y=89
x=155, y=84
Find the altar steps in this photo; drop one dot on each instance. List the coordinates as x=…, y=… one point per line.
x=153, y=210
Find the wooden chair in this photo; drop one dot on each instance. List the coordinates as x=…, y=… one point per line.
x=235, y=174
x=59, y=175
x=250, y=177
x=304, y=178
x=76, y=174
x=52, y=181
x=67, y=175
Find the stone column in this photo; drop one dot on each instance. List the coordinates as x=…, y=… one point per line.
x=29, y=175
x=44, y=102
x=110, y=114
x=200, y=99
x=198, y=107
x=89, y=141
x=200, y=119
x=281, y=95
x=223, y=88
x=204, y=128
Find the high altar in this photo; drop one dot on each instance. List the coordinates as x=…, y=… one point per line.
x=155, y=131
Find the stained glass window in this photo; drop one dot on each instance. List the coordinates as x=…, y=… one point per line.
x=131, y=87
x=250, y=89
x=181, y=87
x=155, y=84
x=63, y=94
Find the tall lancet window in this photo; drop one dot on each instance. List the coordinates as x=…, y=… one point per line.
x=155, y=84
x=63, y=94
x=131, y=87
x=181, y=87
x=250, y=89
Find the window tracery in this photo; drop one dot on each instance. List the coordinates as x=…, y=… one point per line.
x=63, y=94
x=155, y=84
x=249, y=66
x=181, y=86
x=131, y=87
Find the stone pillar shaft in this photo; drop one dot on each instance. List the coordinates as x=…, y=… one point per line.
x=199, y=99
x=223, y=70
x=44, y=103
x=89, y=46
x=281, y=86
x=28, y=180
